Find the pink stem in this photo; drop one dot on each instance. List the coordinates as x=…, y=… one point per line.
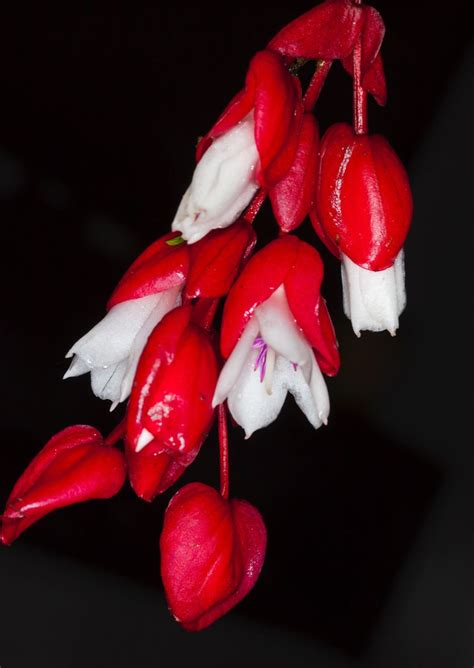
x=316, y=84
x=359, y=94
x=223, y=449
x=117, y=433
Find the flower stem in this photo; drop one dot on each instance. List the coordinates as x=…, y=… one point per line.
x=223, y=449
x=117, y=433
x=359, y=94
x=316, y=84
x=254, y=206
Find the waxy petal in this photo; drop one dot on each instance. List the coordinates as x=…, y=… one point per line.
x=292, y=197
x=160, y=267
x=74, y=466
x=263, y=274
x=328, y=31
x=216, y=260
x=212, y=552
x=364, y=200
x=275, y=97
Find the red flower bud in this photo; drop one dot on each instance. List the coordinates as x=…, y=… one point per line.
x=327, y=31
x=274, y=95
x=292, y=197
x=74, y=466
x=216, y=259
x=364, y=203
x=163, y=265
x=152, y=472
x=170, y=408
x=212, y=552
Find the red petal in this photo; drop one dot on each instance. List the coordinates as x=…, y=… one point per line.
x=74, y=466
x=158, y=268
x=151, y=473
x=275, y=96
x=328, y=31
x=216, y=259
x=292, y=198
x=320, y=231
x=364, y=198
x=302, y=287
x=373, y=78
x=264, y=273
x=212, y=552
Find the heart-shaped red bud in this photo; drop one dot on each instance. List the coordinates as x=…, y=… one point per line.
x=74, y=466
x=212, y=552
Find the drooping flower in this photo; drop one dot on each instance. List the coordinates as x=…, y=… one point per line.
x=363, y=213
x=252, y=145
x=74, y=466
x=277, y=336
x=212, y=552
x=150, y=288
x=170, y=410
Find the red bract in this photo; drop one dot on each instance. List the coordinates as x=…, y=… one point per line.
x=74, y=466
x=274, y=95
x=372, y=74
x=151, y=471
x=216, y=259
x=212, y=552
x=364, y=203
x=170, y=405
x=292, y=197
x=297, y=266
x=163, y=265
x=328, y=31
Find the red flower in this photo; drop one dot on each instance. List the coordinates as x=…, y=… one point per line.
x=278, y=336
x=363, y=213
x=170, y=408
x=212, y=552
x=74, y=466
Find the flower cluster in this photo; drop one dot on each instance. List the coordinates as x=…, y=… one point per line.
x=156, y=348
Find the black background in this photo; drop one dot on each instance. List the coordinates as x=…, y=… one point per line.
x=370, y=520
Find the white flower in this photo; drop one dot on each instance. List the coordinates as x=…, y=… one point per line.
x=373, y=300
x=111, y=349
x=223, y=183
x=272, y=358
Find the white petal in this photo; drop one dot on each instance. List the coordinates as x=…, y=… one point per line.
x=373, y=300
x=223, y=183
x=76, y=368
x=249, y=402
x=106, y=382
x=293, y=379
x=110, y=341
x=279, y=330
x=168, y=300
x=232, y=368
x=144, y=439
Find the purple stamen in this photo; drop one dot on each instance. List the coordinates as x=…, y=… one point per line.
x=261, y=361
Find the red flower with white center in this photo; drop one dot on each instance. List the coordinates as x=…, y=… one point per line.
x=363, y=213
x=74, y=466
x=278, y=337
x=212, y=552
x=252, y=145
x=170, y=408
x=150, y=288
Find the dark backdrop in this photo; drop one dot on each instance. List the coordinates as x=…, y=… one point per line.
x=370, y=519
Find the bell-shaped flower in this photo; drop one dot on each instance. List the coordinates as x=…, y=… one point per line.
x=363, y=213
x=150, y=288
x=252, y=145
x=74, y=466
x=170, y=409
x=212, y=553
x=277, y=337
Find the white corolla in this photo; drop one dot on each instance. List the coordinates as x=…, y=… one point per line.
x=223, y=183
x=272, y=358
x=110, y=351
x=373, y=300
